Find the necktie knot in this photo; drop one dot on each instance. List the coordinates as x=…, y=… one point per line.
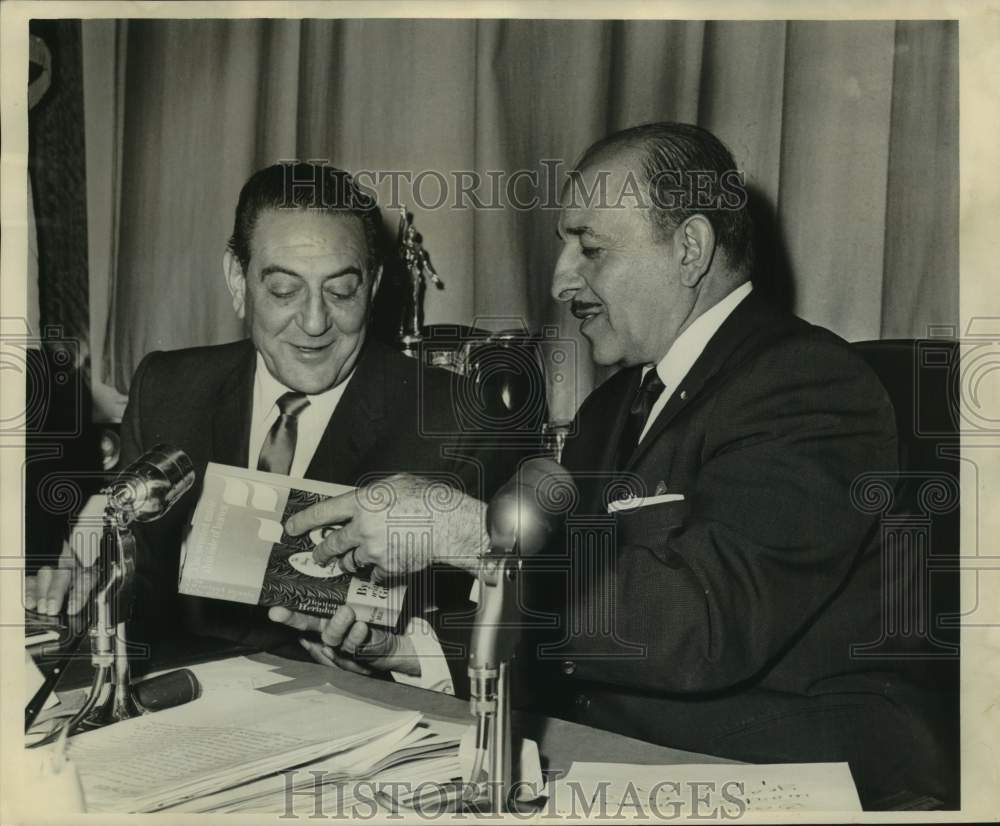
x=647, y=394
x=279, y=447
x=292, y=403
x=649, y=391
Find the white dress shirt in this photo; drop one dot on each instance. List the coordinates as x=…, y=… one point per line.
x=688, y=346
x=311, y=424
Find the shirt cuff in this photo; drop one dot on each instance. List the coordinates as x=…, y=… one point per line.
x=434, y=672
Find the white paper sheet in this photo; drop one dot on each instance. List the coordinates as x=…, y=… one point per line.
x=231, y=674
x=155, y=760
x=698, y=790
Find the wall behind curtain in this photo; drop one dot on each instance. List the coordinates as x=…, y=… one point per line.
x=848, y=134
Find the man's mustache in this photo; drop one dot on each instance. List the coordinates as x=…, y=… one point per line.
x=581, y=309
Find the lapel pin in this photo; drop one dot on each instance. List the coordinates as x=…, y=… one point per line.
x=684, y=394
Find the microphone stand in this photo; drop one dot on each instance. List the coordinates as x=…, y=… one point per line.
x=491, y=653
x=108, y=641
x=143, y=492
x=108, y=637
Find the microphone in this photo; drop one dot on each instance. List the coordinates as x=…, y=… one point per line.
x=152, y=484
x=522, y=518
x=530, y=508
x=142, y=492
x=167, y=690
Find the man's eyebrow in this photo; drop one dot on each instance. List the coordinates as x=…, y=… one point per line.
x=581, y=230
x=271, y=269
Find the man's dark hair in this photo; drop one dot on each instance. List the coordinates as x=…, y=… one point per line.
x=687, y=171
x=304, y=186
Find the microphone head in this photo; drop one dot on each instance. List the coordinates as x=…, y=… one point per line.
x=150, y=486
x=530, y=508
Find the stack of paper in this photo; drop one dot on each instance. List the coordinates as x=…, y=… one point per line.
x=232, y=674
x=428, y=752
x=219, y=741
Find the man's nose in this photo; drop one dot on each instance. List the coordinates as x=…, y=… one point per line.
x=314, y=318
x=566, y=282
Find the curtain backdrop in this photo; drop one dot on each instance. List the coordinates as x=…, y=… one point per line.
x=848, y=134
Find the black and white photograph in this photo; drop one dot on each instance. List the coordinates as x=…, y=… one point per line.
x=643, y=358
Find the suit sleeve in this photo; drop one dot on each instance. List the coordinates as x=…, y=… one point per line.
x=716, y=587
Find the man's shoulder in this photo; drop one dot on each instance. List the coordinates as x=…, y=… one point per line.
x=191, y=370
x=216, y=358
x=805, y=348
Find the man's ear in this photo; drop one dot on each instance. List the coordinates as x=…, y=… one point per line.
x=236, y=282
x=696, y=240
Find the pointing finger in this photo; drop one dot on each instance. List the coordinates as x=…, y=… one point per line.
x=328, y=512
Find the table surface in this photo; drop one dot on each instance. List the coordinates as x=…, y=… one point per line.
x=559, y=742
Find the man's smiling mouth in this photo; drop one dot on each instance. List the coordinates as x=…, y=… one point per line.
x=308, y=350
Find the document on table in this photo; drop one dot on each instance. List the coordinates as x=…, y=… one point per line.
x=268, y=794
x=697, y=790
x=233, y=673
x=157, y=760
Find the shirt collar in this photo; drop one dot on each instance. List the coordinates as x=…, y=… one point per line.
x=267, y=390
x=690, y=344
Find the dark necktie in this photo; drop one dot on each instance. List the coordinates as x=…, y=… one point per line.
x=649, y=391
x=279, y=447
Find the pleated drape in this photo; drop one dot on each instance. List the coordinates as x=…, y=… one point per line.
x=848, y=133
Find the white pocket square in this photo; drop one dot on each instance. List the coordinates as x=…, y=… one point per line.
x=636, y=502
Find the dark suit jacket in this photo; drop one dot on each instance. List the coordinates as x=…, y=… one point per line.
x=724, y=623
x=200, y=400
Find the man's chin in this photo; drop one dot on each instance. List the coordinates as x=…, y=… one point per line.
x=310, y=383
x=602, y=351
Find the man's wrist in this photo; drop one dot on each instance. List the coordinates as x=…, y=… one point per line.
x=466, y=538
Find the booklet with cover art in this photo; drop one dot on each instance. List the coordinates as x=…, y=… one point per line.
x=237, y=549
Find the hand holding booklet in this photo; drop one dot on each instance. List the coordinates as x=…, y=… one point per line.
x=238, y=550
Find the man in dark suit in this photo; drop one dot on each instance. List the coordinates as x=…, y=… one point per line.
x=742, y=569
x=715, y=608
x=309, y=394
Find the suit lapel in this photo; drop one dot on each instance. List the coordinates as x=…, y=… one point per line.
x=752, y=316
x=231, y=420
x=354, y=426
